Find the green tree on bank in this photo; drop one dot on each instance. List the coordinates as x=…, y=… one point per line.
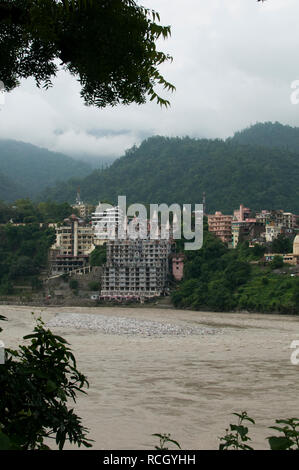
x=25, y=211
x=23, y=253
x=221, y=279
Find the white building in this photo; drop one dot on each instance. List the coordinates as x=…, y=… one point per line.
x=105, y=223
x=272, y=232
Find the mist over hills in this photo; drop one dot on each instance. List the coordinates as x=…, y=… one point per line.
x=179, y=170
x=26, y=170
x=258, y=166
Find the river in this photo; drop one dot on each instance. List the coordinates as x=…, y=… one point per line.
x=186, y=385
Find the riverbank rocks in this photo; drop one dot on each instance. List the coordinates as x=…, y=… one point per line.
x=126, y=326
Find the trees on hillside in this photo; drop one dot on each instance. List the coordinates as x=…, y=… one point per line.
x=109, y=45
x=23, y=252
x=181, y=169
x=221, y=279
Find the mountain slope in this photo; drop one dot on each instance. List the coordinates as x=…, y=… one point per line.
x=35, y=168
x=269, y=134
x=179, y=170
x=9, y=191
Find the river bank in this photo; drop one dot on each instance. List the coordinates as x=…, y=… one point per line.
x=184, y=384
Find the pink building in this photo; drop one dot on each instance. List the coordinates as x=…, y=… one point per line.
x=221, y=226
x=243, y=214
x=178, y=266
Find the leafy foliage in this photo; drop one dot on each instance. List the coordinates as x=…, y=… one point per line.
x=25, y=211
x=109, y=46
x=165, y=439
x=94, y=285
x=98, y=256
x=237, y=436
x=37, y=381
x=220, y=279
x=74, y=284
x=277, y=262
x=290, y=435
x=282, y=244
x=23, y=253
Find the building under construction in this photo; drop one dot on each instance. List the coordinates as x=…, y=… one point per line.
x=136, y=269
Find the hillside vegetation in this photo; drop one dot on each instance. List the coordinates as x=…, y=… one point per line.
x=269, y=134
x=219, y=279
x=26, y=170
x=179, y=170
x=9, y=190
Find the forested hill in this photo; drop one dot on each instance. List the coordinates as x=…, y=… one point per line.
x=269, y=134
x=180, y=169
x=9, y=190
x=27, y=169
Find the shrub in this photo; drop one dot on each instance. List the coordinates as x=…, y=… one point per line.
x=74, y=284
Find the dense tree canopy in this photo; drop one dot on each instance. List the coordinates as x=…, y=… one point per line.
x=109, y=45
x=23, y=253
x=98, y=256
x=221, y=279
x=179, y=170
x=269, y=134
x=25, y=211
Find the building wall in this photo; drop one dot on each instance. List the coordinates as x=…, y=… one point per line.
x=221, y=226
x=72, y=238
x=136, y=268
x=178, y=267
x=272, y=232
x=105, y=223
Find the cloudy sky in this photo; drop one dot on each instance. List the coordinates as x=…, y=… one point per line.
x=234, y=62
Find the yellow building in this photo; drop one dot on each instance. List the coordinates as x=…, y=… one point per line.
x=74, y=239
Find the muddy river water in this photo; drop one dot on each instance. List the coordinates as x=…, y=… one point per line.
x=186, y=383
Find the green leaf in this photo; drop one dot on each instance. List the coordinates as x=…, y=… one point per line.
x=279, y=443
x=6, y=443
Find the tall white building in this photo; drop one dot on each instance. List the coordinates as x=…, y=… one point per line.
x=105, y=223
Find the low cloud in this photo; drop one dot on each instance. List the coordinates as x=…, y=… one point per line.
x=234, y=62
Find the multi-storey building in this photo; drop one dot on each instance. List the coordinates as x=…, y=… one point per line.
x=273, y=231
x=278, y=217
x=74, y=243
x=244, y=226
x=136, y=268
x=243, y=213
x=105, y=223
x=253, y=232
x=221, y=226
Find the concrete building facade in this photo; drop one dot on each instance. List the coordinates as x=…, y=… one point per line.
x=136, y=269
x=74, y=243
x=178, y=266
x=221, y=226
